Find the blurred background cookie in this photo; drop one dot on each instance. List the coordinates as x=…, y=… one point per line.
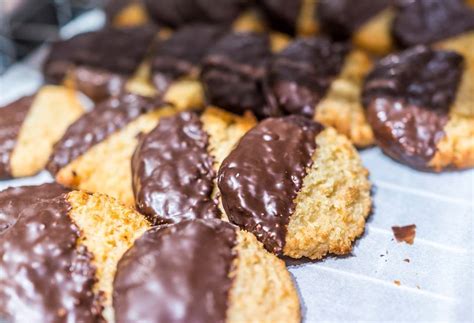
x=31, y=125
x=203, y=271
x=419, y=103
x=175, y=165
x=67, y=244
x=95, y=152
x=300, y=188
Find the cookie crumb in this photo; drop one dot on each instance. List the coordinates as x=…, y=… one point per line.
x=406, y=260
x=397, y=282
x=405, y=234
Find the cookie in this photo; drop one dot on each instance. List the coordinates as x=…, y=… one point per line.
x=31, y=125
x=367, y=23
x=67, y=245
x=202, y=271
x=300, y=188
x=126, y=13
x=95, y=152
x=176, y=13
x=84, y=62
x=428, y=21
x=175, y=165
x=233, y=72
x=419, y=103
x=291, y=17
x=317, y=78
x=176, y=62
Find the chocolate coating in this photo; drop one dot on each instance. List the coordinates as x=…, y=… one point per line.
x=173, y=175
x=11, y=119
x=282, y=14
x=12, y=198
x=299, y=76
x=233, y=72
x=98, y=84
x=261, y=177
x=177, y=273
x=182, y=53
x=95, y=126
x=408, y=96
x=342, y=18
x=175, y=13
x=44, y=275
x=428, y=21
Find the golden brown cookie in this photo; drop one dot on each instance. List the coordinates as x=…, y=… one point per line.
x=30, y=126
x=300, y=188
x=174, y=166
x=321, y=79
x=420, y=106
x=95, y=153
x=194, y=263
x=69, y=243
x=126, y=13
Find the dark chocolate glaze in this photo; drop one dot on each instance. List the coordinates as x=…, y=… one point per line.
x=408, y=96
x=182, y=53
x=11, y=118
x=173, y=175
x=342, y=18
x=233, y=72
x=299, y=76
x=282, y=14
x=44, y=275
x=175, y=13
x=428, y=21
x=177, y=273
x=98, y=84
x=11, y=198
x=261, y=177
x=95, y=126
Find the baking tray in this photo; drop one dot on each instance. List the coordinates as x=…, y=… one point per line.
x=382, y=279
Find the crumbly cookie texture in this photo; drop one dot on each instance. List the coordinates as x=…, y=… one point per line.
x=131, y=16
x=375, y=35
x=341, y=108
x=333, y=203
x=307, y=23
x=262, y=290
x=457, y=147
x=53, y=110
x=108, y=230
x=105, y=168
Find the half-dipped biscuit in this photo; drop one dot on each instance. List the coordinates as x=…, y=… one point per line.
x=233, y=72
x=175, y=165
x=59, y=254
x=317, y=78
x=202, y=271
x=300, y=188
x=420, y=105
x=99, y=63
x=31, y=125
x=366, y=22
x=95, y=152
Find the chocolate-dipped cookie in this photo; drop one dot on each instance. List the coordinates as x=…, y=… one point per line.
x=320, y=79
x=419, y=103
x=59, y=253
x=27, y=134
x=176, y=63
x=99, y=63
x=95, y=152
x=175, y=165
x=300, y=188
x=292, y=17
x=126, y=13
x=428, y=21
x=366, y=22
x=175, y=13
x=202, y=271
x=233, y=71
